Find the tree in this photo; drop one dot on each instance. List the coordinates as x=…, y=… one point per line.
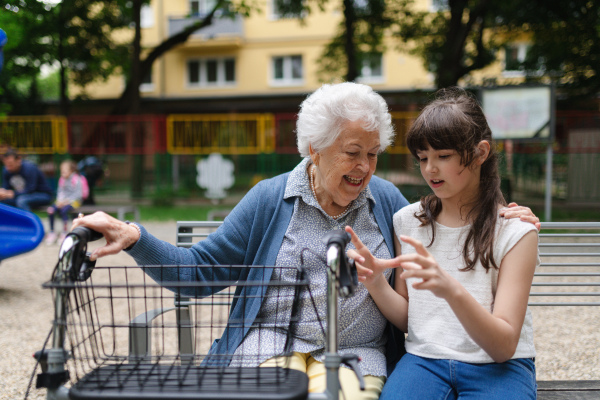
x=453, y=41
x=359, y=34
x=131, y=94
x=565, y=44
x=359, y=37
x=75, y=35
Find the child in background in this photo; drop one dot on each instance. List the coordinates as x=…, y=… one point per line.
x=69, y=195
x=466, y=272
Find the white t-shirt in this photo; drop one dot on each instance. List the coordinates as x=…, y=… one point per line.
x=434, y=331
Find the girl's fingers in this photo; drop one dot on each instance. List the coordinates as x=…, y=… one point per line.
x=407, y=265
x=353, y=254
x=419, y=247
x=354, y=238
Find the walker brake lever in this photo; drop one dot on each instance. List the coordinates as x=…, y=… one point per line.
x=352, y=360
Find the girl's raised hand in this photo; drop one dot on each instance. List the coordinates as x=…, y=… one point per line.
x=368, y=268
x=422, y=265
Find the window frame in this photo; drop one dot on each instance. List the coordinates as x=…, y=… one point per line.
x=371, y=78
x=522, y=49
x=202, y=71
x=287, y=79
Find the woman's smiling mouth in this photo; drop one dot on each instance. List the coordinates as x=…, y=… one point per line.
x=353, y=181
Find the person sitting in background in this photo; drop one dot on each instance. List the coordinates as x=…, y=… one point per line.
x=71, y=191
x=341, y=130
x=23, y=184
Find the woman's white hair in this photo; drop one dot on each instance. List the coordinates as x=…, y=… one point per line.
x=323, y=115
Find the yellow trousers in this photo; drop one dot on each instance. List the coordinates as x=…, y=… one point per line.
x=317, y=381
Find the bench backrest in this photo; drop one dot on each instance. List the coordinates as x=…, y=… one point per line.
x=569, y=274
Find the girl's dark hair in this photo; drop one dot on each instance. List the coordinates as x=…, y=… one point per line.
x=455, y=120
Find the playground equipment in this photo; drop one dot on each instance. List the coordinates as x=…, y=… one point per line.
x=20, y=231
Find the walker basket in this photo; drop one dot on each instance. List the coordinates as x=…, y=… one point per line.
x=129, y=337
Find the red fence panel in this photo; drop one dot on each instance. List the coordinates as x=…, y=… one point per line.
x=127, y=134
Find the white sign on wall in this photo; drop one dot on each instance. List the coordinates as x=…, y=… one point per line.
x=518, y=112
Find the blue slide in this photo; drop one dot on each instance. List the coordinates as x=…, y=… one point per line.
x=20, y=231
x=3, y=41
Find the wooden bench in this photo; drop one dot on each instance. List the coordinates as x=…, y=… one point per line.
x=569, y=276
x=120, y=210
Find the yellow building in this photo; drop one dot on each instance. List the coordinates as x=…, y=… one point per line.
x=262, y=55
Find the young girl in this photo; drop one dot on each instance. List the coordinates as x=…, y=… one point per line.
x=69, y=195
x=466, y=272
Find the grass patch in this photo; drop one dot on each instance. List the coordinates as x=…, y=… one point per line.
x=178, y=213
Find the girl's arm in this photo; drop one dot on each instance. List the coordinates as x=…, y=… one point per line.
x=393, y=304
x=498, y=332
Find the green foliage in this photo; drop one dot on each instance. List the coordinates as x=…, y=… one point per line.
x=566, y=44
x=451, y=42
x=77, y=35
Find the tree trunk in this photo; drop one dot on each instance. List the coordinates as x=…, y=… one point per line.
x=124, y=103
x=135, y=79
x=349, y=22
x=64, y=99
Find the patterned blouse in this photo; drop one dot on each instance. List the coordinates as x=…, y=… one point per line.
x=360, y=323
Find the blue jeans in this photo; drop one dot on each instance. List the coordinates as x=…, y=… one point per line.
x=421, y=378
x=29, y=200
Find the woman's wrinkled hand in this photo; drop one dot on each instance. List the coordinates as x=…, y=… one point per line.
x=118, y=234
x=513, y=210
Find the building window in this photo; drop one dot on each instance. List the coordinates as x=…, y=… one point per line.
x=370, y=67
x=514, y=55
x=146, y=17
x=439, y=5
x=201, y=7
x=147, y=85
x=293, y=9
x=211, y=72
x=287, y=71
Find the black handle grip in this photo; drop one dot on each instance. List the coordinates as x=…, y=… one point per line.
x=338, y=236
x=86, y=234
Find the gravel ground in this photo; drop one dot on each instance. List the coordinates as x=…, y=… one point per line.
x=567, y=338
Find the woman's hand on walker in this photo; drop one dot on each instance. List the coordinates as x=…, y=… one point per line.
x=118, y=234
x=368, y=268
x=422, y=265
x=513, y=210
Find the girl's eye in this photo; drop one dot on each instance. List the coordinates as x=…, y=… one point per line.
x=422, y=159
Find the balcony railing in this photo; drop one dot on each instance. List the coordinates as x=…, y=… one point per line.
x=221, y=26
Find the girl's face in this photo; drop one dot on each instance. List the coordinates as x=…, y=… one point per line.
x=345, y=168
x=447, y=177
x=65, y=170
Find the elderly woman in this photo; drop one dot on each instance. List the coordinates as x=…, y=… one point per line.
x=341, y=130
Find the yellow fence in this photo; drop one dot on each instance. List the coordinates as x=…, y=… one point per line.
x=402, y=121
x=35, y=134
x=186, y=134
x=220, y=133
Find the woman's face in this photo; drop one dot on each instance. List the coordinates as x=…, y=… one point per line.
x=344, y=169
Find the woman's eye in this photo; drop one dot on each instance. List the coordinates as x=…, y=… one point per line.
x=352, y=154
x=373, y=155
